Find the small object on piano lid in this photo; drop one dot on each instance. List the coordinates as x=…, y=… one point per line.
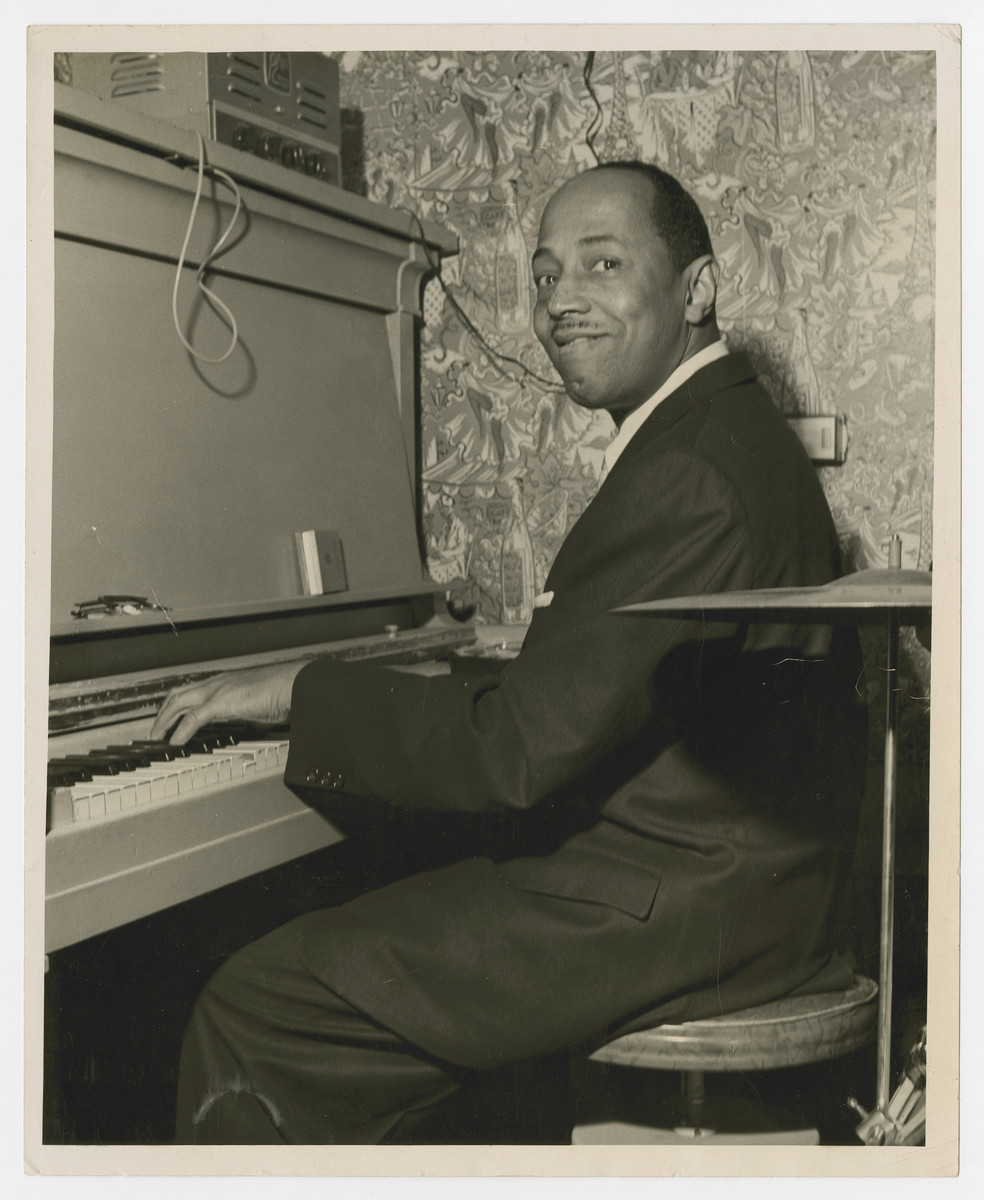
x=115, y=606
x=321, y=561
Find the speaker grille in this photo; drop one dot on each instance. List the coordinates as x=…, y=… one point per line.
x=135, y=74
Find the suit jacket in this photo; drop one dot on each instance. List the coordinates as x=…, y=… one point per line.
x=674, y=803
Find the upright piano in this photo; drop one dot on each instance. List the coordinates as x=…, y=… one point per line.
x=184, y=482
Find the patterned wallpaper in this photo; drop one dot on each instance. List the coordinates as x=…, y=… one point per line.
x=815, y=172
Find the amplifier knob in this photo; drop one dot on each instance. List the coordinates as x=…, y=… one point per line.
x=242, y=138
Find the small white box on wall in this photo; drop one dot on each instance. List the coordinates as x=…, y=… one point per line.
x=825, y=438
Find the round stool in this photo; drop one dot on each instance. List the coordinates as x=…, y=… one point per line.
x=784, y=1033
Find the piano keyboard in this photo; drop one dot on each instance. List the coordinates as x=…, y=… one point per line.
x=125, y=845
x=132, y=831
x=116, y=780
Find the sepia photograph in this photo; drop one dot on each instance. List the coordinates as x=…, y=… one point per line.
x=497, y=500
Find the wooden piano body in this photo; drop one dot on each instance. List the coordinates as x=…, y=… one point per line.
x=185, y=481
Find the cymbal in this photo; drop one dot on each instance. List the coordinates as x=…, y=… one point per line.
x=852, y=599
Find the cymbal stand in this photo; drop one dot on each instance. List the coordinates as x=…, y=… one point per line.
x=890, y=1122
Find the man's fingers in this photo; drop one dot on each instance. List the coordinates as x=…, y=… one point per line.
x=260, y=694
x=187, y=727
x=167, y=714
x=180, y=703
x=169, y=722
x=163, y=721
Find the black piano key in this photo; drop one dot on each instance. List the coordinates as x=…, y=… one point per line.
x=101, y=760
x=204, y=743
x=247, y=731
x=238, y=730
x=127, y=758
x=229, y=733
x=108, y=766
x=139, y=755
x=64, y=774
x=161, y=751
x=65, y=780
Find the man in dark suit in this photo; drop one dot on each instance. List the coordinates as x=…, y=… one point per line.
x=667, y=807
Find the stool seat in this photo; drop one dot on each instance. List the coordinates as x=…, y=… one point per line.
x=784, y=1033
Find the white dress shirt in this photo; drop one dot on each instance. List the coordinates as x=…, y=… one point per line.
x=631, y=424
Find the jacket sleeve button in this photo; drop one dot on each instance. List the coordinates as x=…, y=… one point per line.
x=338, y=782
x=313, y=776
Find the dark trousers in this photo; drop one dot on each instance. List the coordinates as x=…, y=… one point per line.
x=273, y=1056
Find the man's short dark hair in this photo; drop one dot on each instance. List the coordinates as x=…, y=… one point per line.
x=676, y=216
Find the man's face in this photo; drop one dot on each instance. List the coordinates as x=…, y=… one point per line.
x=609, y=304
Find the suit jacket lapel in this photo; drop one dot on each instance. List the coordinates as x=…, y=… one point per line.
x=577, y=554
x=716, y=377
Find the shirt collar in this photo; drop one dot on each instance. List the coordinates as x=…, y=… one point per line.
x=636, y=418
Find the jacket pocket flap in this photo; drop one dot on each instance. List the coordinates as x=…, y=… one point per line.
x=620, y=885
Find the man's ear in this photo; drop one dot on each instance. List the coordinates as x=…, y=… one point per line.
x=702, y=285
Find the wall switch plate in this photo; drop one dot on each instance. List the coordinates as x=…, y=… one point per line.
x=825, y=438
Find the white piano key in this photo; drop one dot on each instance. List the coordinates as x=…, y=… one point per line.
x=163, y=780
x=156, y=782
x=265, y=753
x=212, y=767
x=172, y=785
x=114, y=792
x=248, y=756
x=143, y=778
x=61, y=809
x=107, y=795
x=132, y=788
x=205, y=768
x=80, y=805
x=143, y=784
x=236, y=759
x=89, y=799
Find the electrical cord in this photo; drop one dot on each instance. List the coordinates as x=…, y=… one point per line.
x=497, y=356
x=205, y=290
x=595, y=126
